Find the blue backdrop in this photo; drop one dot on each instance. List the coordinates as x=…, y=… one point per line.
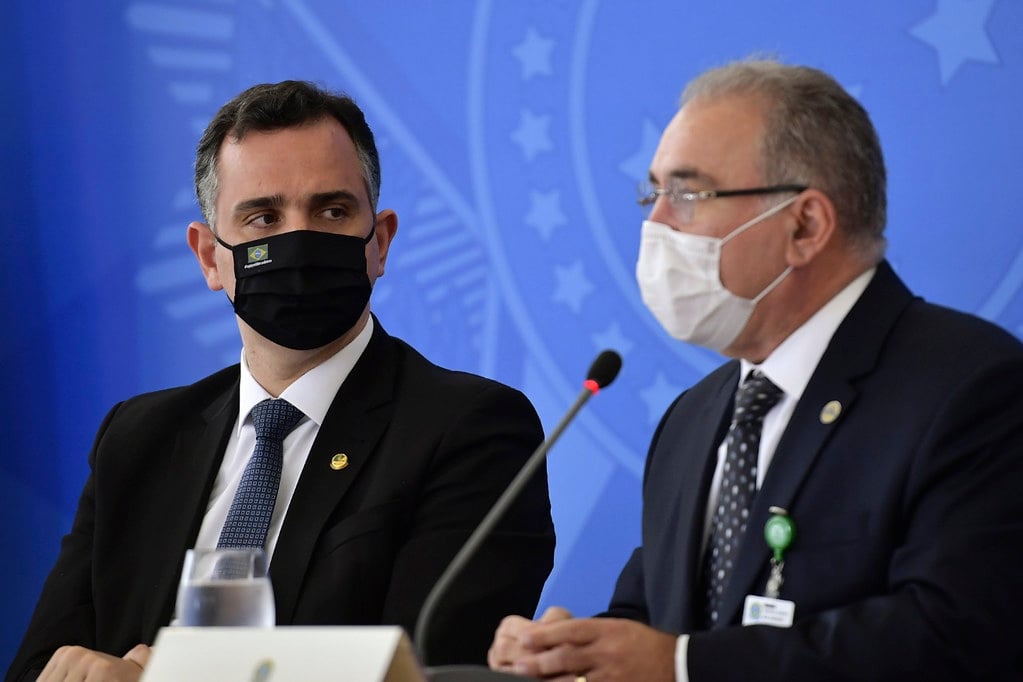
x=512, y=135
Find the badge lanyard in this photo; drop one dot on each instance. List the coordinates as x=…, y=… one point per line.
x=779, y=531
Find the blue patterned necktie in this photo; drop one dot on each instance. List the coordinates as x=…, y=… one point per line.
x=755, y=398
x=249, y=516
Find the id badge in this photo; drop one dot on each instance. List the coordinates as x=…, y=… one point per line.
x=759, y=610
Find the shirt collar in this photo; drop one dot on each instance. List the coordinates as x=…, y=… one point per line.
x=793, y=362
x=314, y=391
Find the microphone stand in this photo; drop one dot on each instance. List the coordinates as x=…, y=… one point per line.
x=487, y=524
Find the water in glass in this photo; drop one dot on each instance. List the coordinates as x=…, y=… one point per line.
x=225, y=587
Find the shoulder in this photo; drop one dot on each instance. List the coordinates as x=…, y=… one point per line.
x=174, y=403
x=422, y=379
x=696, y=413
x=719, y=384
x=907, y=326
x=940, y=331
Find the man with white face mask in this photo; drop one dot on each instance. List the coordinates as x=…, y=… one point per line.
x=841, y=501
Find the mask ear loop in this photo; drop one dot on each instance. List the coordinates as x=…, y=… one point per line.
x=756, y=219
x=770, y=287
x=750, y=223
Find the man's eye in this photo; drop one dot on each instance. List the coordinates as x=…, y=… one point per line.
x=675, y=191
x=262, y=220
x=335, y=213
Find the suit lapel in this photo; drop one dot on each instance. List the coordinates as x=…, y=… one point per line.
x=853, y=351
x=197, y=453
x=355, y=422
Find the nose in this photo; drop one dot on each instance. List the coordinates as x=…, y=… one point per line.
x=661, y=211
x=297, y=220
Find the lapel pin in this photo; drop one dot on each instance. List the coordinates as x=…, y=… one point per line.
x=830, y=412
x=339, y=461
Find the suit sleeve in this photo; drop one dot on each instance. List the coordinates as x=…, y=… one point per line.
x=478, y=456
x=951, y=604
x=64, y=614
x=629, y=599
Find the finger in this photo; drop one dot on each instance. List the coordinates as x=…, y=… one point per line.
x=501, y=652
x=139, y=655
x=505, y=647
x=562, y=661
x=555, y=613
x=58, y=665
x=575, y=632
x=506, y=636
x=511, y=626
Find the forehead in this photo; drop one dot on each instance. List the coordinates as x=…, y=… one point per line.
x=712, y=138
x=314, y=157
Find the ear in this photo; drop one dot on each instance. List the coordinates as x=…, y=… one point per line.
x=816, y=226
x=386, y=228
x=204, y=245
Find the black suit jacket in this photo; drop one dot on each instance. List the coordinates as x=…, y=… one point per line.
x=908, y=558
x=429, y=451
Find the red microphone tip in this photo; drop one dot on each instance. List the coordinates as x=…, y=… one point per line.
x=592, y=386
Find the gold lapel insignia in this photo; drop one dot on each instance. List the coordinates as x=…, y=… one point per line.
x=339, y=461
x=830, y=412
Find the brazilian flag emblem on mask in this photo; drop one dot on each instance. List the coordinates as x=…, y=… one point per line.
x=258, y=253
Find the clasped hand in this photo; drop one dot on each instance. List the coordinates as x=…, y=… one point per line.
x=78, y=664
x=559, y=647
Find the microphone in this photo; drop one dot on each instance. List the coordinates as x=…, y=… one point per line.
x=602, y=372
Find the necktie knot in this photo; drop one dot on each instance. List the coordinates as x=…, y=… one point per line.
x=756, y=397
x=275, y=419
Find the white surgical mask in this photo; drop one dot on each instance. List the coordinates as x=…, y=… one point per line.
x=679, y=277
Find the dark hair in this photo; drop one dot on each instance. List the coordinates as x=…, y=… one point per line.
x=272, y=106
x=816, y=134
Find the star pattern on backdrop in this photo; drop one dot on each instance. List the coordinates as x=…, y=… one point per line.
x=572, y=285
x=545, y=212
x=534, y=54
x=637, y=166
x=612, y=337
x=533, y=134
x=957, y=33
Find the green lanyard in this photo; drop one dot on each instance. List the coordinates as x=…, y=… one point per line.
x=779, y=531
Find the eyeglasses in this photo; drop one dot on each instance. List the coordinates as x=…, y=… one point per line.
x=683, y=201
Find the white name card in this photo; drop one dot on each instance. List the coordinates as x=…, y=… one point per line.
x=283, y=654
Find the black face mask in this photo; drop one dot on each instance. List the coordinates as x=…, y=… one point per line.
x=301, y=289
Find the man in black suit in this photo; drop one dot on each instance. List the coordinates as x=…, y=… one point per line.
x=393, y=461
x=888, y=431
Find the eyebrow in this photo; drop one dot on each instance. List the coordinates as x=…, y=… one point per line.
x=337, y=196
x=317, y=200
x=685, y=173
x=272, y=201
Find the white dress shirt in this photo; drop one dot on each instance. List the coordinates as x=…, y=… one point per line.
x=312, y=393
x=790, y=367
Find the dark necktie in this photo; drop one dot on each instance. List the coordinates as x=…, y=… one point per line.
x=248, y=519
x=755, y=398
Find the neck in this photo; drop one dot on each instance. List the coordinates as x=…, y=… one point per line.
x=276, y=367
x=796, y=300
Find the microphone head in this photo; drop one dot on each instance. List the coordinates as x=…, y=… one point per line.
x=605, y=368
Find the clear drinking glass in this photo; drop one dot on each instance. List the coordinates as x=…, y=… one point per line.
x=225, y=587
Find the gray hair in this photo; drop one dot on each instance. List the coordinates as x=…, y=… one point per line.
x=815, y=134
